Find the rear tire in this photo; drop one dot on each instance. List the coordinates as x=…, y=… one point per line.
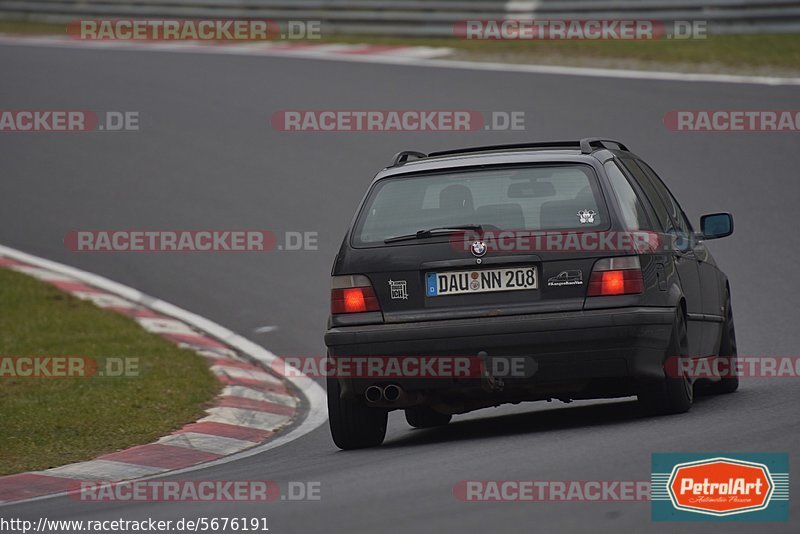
x=426, y=417
x=726, y=361
x=354, y=425
x=672, y=395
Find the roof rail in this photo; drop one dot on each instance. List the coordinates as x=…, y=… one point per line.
x=586, y=145
x=490, y=148
x=402, y=157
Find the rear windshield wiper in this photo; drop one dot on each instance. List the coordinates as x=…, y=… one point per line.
x=430, y=232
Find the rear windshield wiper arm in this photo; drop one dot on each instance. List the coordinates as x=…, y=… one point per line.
x=430, y=232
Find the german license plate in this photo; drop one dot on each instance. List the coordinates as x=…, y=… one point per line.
x=480, y=281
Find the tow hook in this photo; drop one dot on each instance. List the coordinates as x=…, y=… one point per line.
x=489, y=382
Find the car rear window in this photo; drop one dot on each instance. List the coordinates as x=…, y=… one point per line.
x=554, y=197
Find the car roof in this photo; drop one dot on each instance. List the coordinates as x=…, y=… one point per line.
x=587, y=150
x=494, y=158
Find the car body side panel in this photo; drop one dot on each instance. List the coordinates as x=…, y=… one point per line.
x=712, y=286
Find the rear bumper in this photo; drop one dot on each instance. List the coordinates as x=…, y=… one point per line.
x=569, y=348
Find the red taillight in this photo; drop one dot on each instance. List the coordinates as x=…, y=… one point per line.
x=615, y=283
x=616, y=276
x=353, y=299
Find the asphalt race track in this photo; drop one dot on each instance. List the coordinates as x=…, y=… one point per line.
x=206, y=157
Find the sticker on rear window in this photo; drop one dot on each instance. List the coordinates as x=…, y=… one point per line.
x=586, y=216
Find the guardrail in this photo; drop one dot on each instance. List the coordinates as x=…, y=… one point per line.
x=423, y=18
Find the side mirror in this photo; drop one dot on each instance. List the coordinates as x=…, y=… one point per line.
x=716, y=225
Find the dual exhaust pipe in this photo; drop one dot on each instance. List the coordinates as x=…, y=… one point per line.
x=390, y=394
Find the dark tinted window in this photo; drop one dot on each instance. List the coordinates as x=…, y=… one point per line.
x=631, y=210
x=659, y=207
x=672, y=204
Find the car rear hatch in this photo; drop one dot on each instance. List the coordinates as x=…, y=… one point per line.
x=527, y=242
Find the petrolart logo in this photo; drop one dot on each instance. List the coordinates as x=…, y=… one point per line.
x=732, y=487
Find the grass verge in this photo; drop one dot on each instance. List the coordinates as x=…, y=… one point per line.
x=47, y=422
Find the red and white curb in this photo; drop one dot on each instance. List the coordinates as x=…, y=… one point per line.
x=264, y=48
x=248, y=417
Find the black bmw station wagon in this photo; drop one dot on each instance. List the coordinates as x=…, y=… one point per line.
x=502, y=274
